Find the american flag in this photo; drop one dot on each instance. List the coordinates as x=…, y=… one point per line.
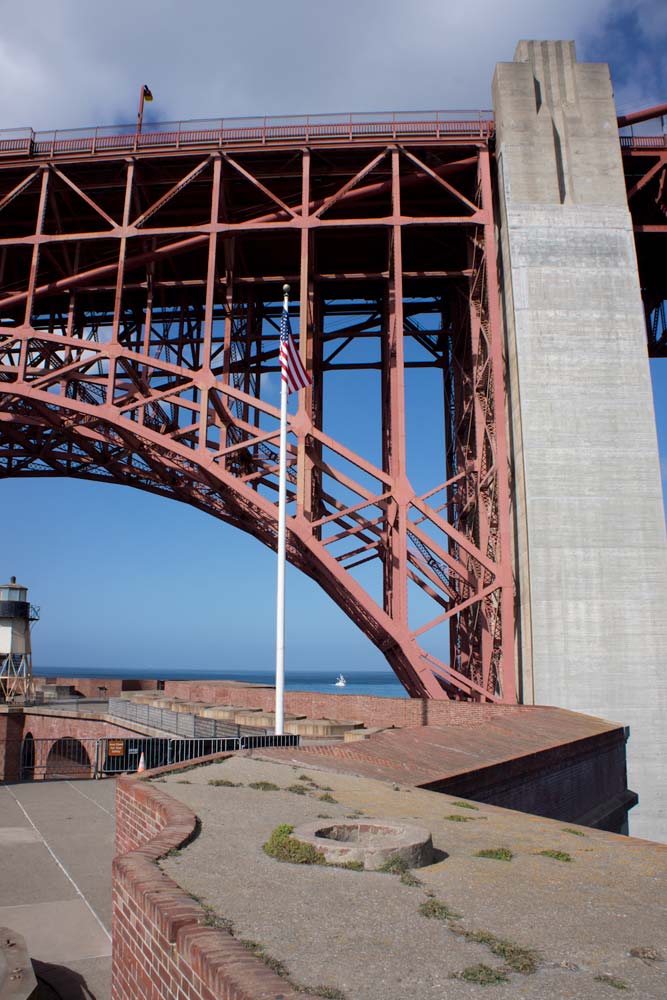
x=291, y=367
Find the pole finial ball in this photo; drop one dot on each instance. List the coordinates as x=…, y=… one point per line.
x=286, y=289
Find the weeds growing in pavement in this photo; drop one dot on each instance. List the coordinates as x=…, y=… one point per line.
x=284, y=847
x=570, y=829
x=211, y=919
x=483, y=975
x=328, y=992
x=455, y=818
x=394, y=866
x=224, y=783
x=518, y=959
x=497, y=853
x=407, y=878
x=327, y=798
x=264, y=786
x=556, y=855
x=466, y=805
x=298, y=789
x=258, y=951
x=435, y=909
x=618, y=984
x=648, y=954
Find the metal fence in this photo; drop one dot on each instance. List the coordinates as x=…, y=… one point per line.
x=183, y=724
x=230, y=131
x=70, y=758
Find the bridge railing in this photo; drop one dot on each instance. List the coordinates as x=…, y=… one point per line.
x=643, y=141
x=231, y=131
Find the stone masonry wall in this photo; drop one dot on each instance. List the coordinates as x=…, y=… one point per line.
x=162, y=950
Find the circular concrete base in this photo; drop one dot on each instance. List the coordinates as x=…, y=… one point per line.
x=373, y=842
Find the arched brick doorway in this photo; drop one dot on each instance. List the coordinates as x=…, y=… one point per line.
x=28, y=758
x=68, y=758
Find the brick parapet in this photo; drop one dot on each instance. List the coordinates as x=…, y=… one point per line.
x=162, y=948
x=369, y=709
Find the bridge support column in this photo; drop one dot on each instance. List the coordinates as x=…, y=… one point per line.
x=590, y=549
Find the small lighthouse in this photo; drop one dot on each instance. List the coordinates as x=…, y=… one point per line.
x=16, y=614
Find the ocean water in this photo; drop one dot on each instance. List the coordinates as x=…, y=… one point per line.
x=381, y=683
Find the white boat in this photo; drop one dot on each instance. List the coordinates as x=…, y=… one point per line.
x=340, y=681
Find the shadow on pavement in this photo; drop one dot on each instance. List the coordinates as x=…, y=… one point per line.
x=57, y=982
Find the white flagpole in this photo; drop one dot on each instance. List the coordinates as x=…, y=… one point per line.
x=280, y=587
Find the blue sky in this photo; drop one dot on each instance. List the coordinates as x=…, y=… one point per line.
x=126, y=579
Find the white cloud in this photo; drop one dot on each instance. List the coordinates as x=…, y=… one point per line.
x=76, y=63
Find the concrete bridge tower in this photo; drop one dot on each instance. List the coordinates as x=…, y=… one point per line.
x=16, y=614
x=590, y=548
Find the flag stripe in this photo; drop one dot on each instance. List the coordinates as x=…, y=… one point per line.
x=291, y=366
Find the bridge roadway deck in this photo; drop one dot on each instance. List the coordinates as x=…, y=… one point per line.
x=56, y=841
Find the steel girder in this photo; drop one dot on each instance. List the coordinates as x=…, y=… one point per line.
x=138, y=340
x=645, y=167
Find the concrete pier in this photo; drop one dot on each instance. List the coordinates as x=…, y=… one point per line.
x=590, y=546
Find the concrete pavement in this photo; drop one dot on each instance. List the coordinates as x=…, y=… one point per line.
x=56, y=847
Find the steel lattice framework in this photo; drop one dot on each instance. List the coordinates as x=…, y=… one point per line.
x=645, y=163
x=139, y=315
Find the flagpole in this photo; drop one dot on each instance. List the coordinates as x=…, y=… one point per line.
x=280, y=586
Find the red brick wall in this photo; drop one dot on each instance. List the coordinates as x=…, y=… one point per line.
x=11, y=730
x=161, y=948
x=51, y=726
x=371, y=710
x=89, y=687
x=42, y=726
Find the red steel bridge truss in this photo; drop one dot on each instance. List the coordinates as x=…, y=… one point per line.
x=140, y=301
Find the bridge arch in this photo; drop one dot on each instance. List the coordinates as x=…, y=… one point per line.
x=134, y=346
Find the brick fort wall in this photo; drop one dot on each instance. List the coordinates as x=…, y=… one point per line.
x=162, y=948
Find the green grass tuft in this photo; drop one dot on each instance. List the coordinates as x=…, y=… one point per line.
x=327, y=798
x=395, y=866
x=407, y=878
x=466, y=805
x=518, y=959
x=455, y=818
x=283, y=847
x=556, y=855
x=483, y=975
x=618, y=984
x=497, y=853
x=258, y=951
x=211, y=919
x=353, y=866
x=264, y=786
x=575, y=833
x=298, y=789
x=434, y=909
x=224, y=783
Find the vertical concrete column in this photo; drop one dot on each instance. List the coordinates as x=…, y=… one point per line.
x=590, y=546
